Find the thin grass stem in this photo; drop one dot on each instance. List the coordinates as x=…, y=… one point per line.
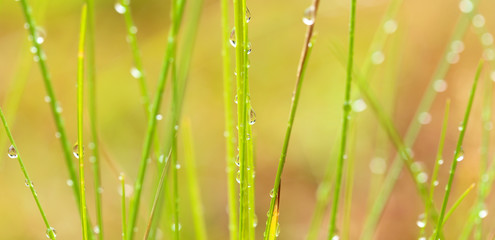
x=459, y=154
x=122, y=203
x=14, y=153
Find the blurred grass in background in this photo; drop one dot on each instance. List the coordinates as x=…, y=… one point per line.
x=276, y=33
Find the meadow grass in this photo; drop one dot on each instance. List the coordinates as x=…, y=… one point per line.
x=242, y=219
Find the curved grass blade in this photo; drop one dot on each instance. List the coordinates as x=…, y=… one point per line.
x=459, y=155
x=80, y=144
x=306, y=52
x=345, y=121
x=168, y=58
x=50, y=232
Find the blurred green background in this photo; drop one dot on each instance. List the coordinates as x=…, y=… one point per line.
x=276, y=33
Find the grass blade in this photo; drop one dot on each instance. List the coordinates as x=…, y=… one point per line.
x=194, y=192
x=14, y=153
x=94, y=145
x=306, y=52
x=459, y=155
x=229, y=122
x=123, y=209
x=169, y=56
x=345, y=120
x=80, y=95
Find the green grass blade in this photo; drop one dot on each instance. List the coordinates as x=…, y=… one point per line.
x=169, y=56
x=458, y=202
x=345, y=121
x=80, y=143
x=160, y=188
x=305, y=54
x=123, y=209
x=229, y=122
x=459, y=155
x=94, y=145
x=50, y=232
x=438, y=161
x=193, y=186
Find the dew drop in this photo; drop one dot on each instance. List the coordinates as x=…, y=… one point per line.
x=309, y=15
x=135, y=73
x=255, y=221
x=478, y=21
x=457, y=46
x=69, y=182
x=422, y=177
x=12, y=153
x=390, y=26
x=435, y=183
x=272, y=194
x=178, y=228
x=58, y=135
x=466, y=6
x=75, y=150
x=50, y=232
x=252, y=117
x=159, y=117
x=119, y=8
x=177, y=166
x=26, y=182
x=378, y=165
x=235, y=99
x=452, y=57
x=440, y=85
x=237, y=161
x=487, y=39
x=33, y=50
x=460, y=155
x=483, y=213
x=96, y=230
x=377, y=57
x=335, y=237
x=440, y=162
x=248, y=15
x=424, y=118
x=277, y=230
x=421, y=221
x=232, y=37
x=359, y=105
x=249, y=48
x=133, y=29
x=238, y=177
x=36, y=58
x=489, y=54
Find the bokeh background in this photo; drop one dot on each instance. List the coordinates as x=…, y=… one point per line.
x=276, y=32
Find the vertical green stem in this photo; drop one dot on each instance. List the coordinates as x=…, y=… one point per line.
x=94, y=146
x=80, y=94
x=229, y=121
x=50, y=231
x=168, y=58
x=306, y=52
x=123, y=210
x=345, y=121
x=459, y=155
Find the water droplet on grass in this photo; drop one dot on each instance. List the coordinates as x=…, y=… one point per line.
x=422, y=177
x=237, y=161
x=252, y=117
x=309, y=15
x=119, y=8
x=460, y=155
x=249, y=48
x=277, y=230
x=159, y=117
x=466, y=6
x=478, y=21
x=272, y=194
x=377, y=57
x=232, y=37
x=421, y=221
x=135, y=73
x=483, y=213
x=69, y=182
x=390, y=26
x=440, y=85
x=248, y=15
x=174, y=228
x=75, y=150
x=238, y=177
x=424, y=118
x=378, y=165
x=359, y=105
x=12, y=153
x=51, y=232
